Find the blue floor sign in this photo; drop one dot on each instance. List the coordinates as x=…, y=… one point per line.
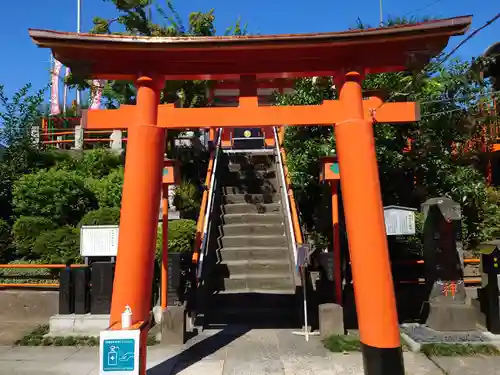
x=118, y=355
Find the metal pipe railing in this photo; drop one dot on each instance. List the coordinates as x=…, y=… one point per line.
x=211, y=180
x=421, y=261
x=38, y=266
x=287, y=193
x=469, y=280
x=34, y=266
x=28, y=285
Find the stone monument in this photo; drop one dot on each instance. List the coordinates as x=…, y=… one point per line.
x=449, y=307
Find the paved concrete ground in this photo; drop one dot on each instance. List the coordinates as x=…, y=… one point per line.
x=13, y=330
x=231, y=352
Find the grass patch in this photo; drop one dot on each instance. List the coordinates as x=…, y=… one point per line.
x=457, y=350
x=341, y=343
x=36, y=338
x=348, y=343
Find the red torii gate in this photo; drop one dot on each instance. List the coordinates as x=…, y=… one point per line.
x=346, y=56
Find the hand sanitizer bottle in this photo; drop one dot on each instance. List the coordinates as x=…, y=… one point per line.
x=127, y=317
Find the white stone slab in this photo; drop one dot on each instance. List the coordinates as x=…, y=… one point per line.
x=78, y=325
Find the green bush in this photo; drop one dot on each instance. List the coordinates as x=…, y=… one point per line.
x=102, y=216
x=59, y=195
x=61, y=245
x=4, y=241
x=96, y=163
x=187, y=198
x=25, y=231
x=108, y=190
x=181, y=235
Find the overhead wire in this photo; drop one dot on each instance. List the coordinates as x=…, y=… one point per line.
x=448, y=55
x=475, y=105
x=423, y=8
x=486, y=95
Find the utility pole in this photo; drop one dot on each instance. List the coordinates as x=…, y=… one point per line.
x=78, y=30
x=381, y=13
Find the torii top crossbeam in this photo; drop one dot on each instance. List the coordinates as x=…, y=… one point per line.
x=268, y=56
x=249, y=58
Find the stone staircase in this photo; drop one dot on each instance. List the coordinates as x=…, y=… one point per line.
x=254, y=278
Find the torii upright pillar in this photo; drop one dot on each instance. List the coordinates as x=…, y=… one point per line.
x=363, y=210
x=139, y=212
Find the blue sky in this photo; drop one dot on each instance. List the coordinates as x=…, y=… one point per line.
x=23, y=62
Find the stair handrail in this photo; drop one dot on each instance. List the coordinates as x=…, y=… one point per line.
x=206, y=208
x=203, y=207
x=288, y=196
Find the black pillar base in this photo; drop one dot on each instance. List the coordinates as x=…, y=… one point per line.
x=81, y=278
x=492, y=306
x=102, y=274
x=66, y=292
x=382, y=361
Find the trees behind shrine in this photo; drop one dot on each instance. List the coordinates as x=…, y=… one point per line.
x=432, y=157
x=452, y=95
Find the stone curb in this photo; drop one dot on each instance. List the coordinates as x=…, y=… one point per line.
x=414, y=346
x=417, y=346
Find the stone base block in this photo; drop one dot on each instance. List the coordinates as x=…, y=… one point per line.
x=331, y=320
x=157, y=314
x=78, y=325
x=173, y=326
x=451, y=317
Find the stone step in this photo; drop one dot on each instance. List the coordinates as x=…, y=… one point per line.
x=247, y=208
x=250, y=189
x=229, y=254
x=265, y=300
x=235, y=167
x=251, y=159
x=249, y=174
x=252, y=185
x=254, y=241
x=259, y=284
x=251, y=198
x=273, y=218
x=255, y=317
x=257, y=229
x=254, y=267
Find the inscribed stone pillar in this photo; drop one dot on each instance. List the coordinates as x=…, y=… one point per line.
x=116, y=141
x=78, y=137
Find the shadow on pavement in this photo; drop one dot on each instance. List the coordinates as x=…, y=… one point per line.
x=198, y=351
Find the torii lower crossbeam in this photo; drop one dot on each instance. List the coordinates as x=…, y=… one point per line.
x=250, y=114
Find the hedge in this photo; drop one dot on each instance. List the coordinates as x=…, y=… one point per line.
x=26, y=230
x=181, y=235
x=101, y=216
x=4, y=240
x=58, y=195
x=61, y=245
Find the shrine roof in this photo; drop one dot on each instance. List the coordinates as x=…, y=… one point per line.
x=267, y=56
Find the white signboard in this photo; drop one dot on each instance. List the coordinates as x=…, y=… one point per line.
x=119, y=352
x=99, y=241
x=399, y=221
